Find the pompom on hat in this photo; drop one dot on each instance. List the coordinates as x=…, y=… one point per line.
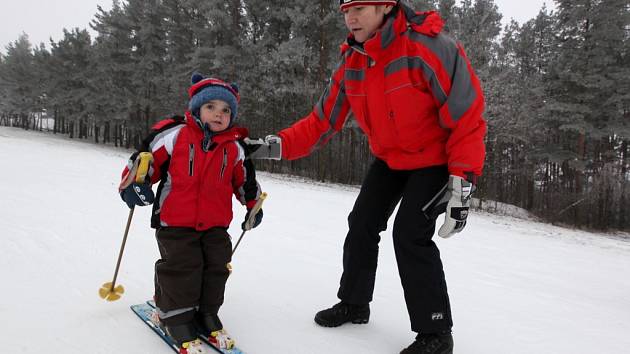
x=344, y=4
x=205, y=89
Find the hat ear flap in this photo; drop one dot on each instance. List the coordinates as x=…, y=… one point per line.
x=196, y=77
x=234, y=86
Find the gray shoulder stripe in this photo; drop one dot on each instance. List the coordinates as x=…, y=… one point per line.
x=339, y=101
x=319, y=107
x=462, y=94
x=324, y=137
x=161, y=138
x=387, y=34
x=334, y=114
x=410, y=63
x=443, y=46
x=354, y=75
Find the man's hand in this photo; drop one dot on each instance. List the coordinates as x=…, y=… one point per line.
x=458, y=195
x=269, y=148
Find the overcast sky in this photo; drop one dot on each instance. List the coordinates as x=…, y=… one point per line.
x=42, y=19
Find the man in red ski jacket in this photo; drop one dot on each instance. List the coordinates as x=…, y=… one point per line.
x=415, y=95
x=199, y=164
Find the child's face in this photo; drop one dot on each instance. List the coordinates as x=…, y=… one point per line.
x=216, y=114
x=363, y=21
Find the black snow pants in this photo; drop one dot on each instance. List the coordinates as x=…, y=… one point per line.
x=192, y=272
x=418, y=258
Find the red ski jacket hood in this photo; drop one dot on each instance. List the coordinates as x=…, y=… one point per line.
x=428, y=23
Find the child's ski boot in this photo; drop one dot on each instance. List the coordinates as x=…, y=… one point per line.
x=186, y=336
x=221, y=339
x=194, y=347
x=210, y=326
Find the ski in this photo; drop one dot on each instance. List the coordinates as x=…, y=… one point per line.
x=145, y=311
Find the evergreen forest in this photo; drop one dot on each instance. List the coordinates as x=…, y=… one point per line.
x=557, y=89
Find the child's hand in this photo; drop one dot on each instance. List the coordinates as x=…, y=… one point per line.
x=137, y=194
x=252, y=222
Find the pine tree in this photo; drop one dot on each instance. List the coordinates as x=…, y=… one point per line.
x=220, y=33
x=145, y=19
x=69, y=89
x=585, y=88
x=19, y=80
x=422, y=5
x=112, y=50
x=269, y=27
x=446, y=9
x=180, y=48
x=41, y=63
x=476, y=24
x=4, y=94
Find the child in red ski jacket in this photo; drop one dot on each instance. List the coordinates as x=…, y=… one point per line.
x=199, y=163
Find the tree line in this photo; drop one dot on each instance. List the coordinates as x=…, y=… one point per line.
x=557, y=88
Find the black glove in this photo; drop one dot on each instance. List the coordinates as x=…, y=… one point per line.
x=269, y=148
x=255, y=221
x=137, y=194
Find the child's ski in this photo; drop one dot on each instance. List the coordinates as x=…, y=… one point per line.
x=145, y=313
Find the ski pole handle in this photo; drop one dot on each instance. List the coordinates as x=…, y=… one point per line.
x=252, y=214
x=138, y=172
x=251, y=218
x=146, y=158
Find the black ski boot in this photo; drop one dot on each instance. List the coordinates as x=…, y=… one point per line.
x=208, y=322
x=342, y=313
x=431, y=343
x=210, y=325
x=182, y=333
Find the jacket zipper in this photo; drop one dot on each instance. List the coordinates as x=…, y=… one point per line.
x=191, y=159
x=224, y=162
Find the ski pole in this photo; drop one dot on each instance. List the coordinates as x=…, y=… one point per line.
x=109, y=291
x=250, y=219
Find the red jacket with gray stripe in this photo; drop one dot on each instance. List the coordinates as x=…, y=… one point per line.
x=412, y=91
x=196, y=187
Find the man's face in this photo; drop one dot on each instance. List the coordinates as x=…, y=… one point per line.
x=364, y=20
x=216, y=114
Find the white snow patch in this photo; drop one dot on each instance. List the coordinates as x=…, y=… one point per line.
x=516, y=286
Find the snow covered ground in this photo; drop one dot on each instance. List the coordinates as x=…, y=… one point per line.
x=516, y=286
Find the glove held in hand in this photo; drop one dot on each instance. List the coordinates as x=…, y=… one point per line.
x=459, y=191
x=255, y=221
x=139, y=194
x=270, y=148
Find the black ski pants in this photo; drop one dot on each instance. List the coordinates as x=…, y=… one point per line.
x=418, y=258
x=192, y=271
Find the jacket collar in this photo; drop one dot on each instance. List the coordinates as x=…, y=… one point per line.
x=233, y=133
x=405, y=18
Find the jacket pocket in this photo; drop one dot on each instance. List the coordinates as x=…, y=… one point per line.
x=413, y=114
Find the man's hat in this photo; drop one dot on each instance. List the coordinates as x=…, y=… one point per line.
x=344, y=4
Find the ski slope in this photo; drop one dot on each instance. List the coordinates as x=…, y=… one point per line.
x=516, y=286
